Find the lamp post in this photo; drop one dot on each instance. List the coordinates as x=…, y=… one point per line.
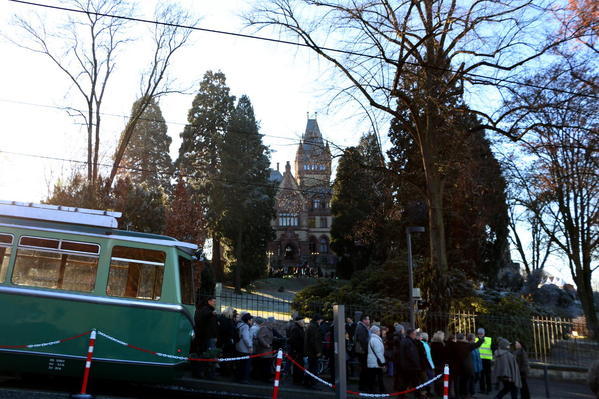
x=409, y=231
x=270, y=254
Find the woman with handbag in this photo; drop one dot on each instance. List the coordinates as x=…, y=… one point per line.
x=376, y=361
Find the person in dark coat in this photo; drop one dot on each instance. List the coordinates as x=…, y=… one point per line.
x=313, y=348
x=439, y=355
x=226, y=337
x=361, y=339
x=463, y=368
x=409, y=358
x=206, y=326
x=522, y=360
x=295, y=340
x=398, y=378
x=505, y=370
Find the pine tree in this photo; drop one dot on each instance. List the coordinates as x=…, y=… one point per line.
x=244, y=196
x=359, y=206
x=184, y=219
x=147, y=159
x=199, y=154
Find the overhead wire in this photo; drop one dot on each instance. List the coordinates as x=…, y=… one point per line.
x=288, y=42
x=184, y=175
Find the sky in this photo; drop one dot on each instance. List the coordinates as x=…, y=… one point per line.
x=283, y=82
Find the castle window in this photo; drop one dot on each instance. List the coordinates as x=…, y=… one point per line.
x=324, y=222
x=311, y=222
x=324, y=245
x=288, y=219
x=321, y=167
x=315, y=204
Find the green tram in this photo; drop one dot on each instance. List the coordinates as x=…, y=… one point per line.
x=65, y=271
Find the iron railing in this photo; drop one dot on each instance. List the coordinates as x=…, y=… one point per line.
x=548, y=340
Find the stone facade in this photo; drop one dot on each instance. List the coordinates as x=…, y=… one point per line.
x=303, y=208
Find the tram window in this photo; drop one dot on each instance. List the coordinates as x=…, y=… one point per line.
x=80, y=247
x=186, y=280
x=5, y=242
x=55, y=270
x=39, y=242
x=136, y=273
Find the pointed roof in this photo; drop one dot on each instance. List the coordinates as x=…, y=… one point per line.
x=312, y=138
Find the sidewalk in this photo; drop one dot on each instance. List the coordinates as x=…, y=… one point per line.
x=227, y=388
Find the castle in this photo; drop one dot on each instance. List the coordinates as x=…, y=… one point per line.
x=303, y=209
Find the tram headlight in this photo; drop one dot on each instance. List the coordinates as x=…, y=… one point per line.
x=192, y=334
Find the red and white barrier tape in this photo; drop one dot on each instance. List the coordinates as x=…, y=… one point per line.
x=165, y=355
x=363, y=394
x=317, y=378
x=44, y=343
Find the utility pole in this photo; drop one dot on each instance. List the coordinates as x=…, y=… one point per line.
x=340, y=362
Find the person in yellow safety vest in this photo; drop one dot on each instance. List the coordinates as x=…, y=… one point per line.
x=486, y=354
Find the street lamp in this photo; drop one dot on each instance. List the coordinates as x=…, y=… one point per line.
x=270, y=254
x=409, y=231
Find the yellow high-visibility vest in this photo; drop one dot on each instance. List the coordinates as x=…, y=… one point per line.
x=485, y=349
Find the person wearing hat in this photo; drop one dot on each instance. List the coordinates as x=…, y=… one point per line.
x=313, y=347
x=505, y=370
x=244, y=347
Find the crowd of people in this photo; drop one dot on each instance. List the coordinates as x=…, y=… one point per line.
x=393, y=358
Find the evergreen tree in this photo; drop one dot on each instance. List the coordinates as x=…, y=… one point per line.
x=199, y=154
x=475, y=205
x=143, y=205
x=359, y=206
x=147, y=159
x=185, y=220
x=243, y=195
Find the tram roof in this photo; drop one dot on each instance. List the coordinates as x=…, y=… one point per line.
x=96, y=231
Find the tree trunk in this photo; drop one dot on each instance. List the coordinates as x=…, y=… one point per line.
x=436, y=229
x=238, y=263
x=217, y=264
x=585, y=293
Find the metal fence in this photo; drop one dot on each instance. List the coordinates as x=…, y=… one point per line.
x=548, y=340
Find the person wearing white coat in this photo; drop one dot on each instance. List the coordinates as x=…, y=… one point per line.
x=376, y=360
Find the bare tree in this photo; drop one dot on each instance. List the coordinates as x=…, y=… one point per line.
x=563, y=175
x=524, y=210
x=85, y=49
x=411, y=60
x=168, y=37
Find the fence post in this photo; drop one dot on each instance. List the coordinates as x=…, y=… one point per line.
x=88, y=362
x=275, y=389
x=218, y=291
x=340, y=363
x=446, y=382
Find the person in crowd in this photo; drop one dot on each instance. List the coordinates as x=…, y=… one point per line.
x=263, y=344
x=361, y=338
x=206, y=326
x=486, y=354
x=522, y=360
x=477, y=366
x=313, y=348
x=388, y=342
x=439, y=355
x=451, y=361
x=505, y=370
x=206, y=332
x=328, y=347
x=429, y=366
x=350, y=330
x=376, y=361
x=295, y=336
x=398, y=377
x=463, y=369
x=411, y=364
x=226, y=337
x=244, y=346
x=255, y=327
